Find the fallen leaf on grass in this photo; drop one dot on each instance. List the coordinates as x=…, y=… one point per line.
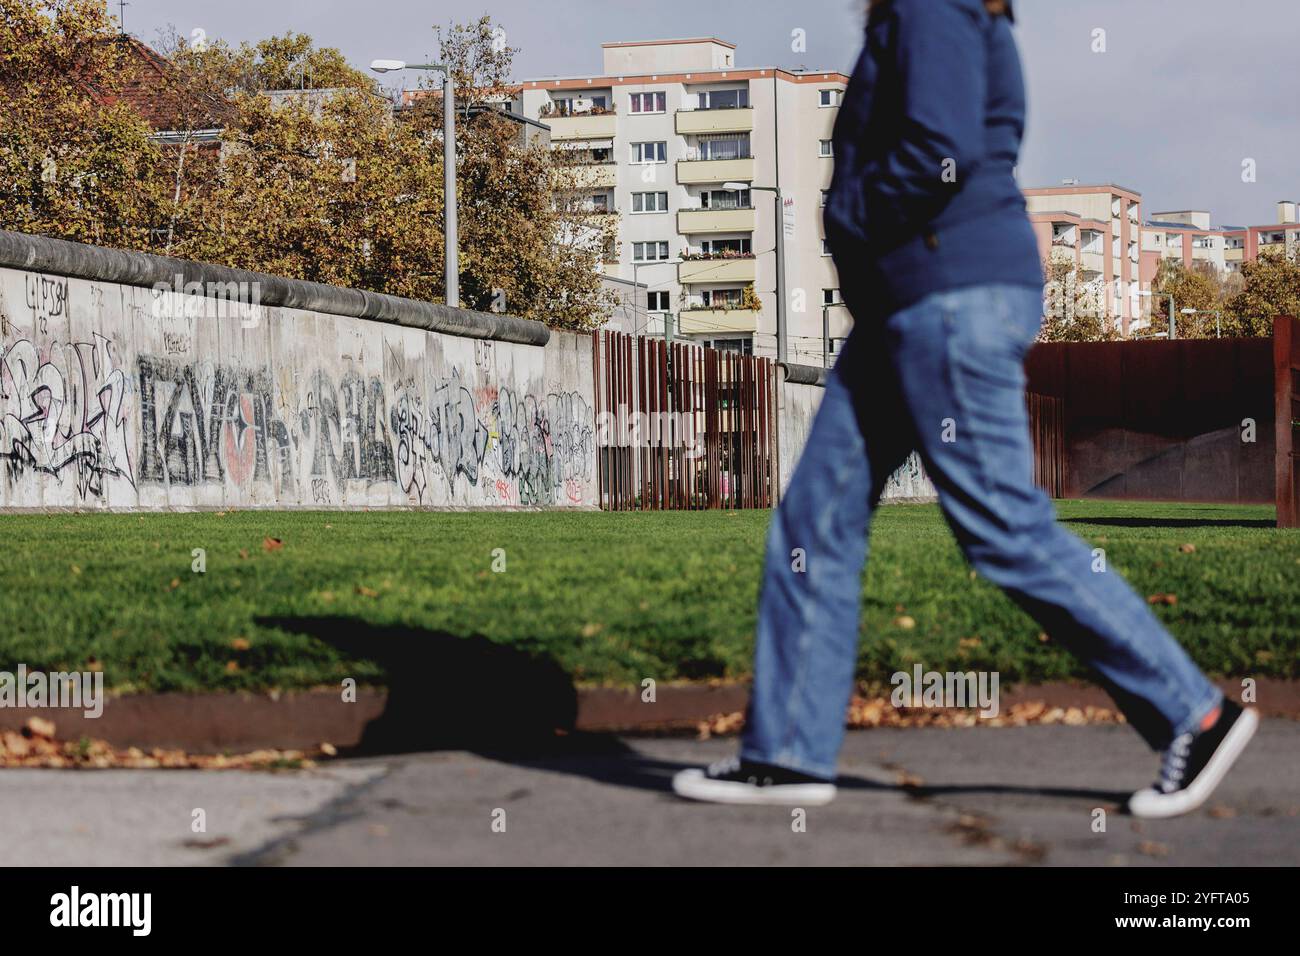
x=1168, y=599
x=272, y=544
x=367, y=592
x=240, y=643
x=1187, y=548
x=905, y=622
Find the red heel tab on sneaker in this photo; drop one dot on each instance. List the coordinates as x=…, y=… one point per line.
x=1211, y=718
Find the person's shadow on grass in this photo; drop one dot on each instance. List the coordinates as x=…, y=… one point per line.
x=453, y=692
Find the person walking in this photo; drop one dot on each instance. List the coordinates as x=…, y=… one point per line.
x=939, y=267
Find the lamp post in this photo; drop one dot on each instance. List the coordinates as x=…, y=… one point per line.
x=780, y=260
x=1218, y=318
x=451, y=267
x=1148, y=294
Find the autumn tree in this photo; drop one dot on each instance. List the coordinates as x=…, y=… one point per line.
x=75, y=161
x=521, y=249
x=1074, y=309
x=1271, y=288
x=1194, y=288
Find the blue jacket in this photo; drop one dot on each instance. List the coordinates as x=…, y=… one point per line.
x=924, y=197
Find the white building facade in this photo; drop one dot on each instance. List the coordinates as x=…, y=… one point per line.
x=684, y=149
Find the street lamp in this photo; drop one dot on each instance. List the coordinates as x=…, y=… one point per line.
x=452, y=262
x=1148, y=294
x=780, y=260
x=1218, y=316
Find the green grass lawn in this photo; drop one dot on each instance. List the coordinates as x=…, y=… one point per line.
x=612, y=598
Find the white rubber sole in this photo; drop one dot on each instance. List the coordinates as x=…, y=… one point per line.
x=1151, y=804
x=695, y=785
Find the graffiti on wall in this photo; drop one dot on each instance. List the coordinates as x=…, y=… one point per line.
x=202, y=422
x=63, y=412
x=343, y=425
x=520, y=449
x=909, y=482
x=100, y=423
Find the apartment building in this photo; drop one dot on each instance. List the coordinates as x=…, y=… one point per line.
x=1186, y=236
x=1189, y=237
x=1099, y=229
x=687, y=149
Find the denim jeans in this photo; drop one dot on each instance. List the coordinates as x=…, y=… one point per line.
x=944, y=377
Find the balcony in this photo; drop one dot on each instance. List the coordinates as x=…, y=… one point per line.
x=1092, y=262
x=588, y=176
x=734, y=120
x=581, y=126
x=717, y=270
x=700, y=321
x=695, y=172
x=693, y=221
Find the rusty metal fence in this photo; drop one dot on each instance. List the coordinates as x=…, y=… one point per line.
x=680, y=426
x=1286, y=397
x=1047, y=425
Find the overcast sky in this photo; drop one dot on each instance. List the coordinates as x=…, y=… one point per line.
x=1185, y=91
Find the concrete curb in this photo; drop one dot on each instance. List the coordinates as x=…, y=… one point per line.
x=243, y=722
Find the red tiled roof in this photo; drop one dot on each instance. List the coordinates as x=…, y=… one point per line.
x=147, y=85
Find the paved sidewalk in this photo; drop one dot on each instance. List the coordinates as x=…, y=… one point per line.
x=909, y=797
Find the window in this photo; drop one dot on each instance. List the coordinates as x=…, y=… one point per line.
x=828, y=97
x=649, y=202
x=826, y=193
x=743, y=346
x=649, y=153
x=725, y=199
x=656, y=301
x=723, y=99
x=830, y=297
x=713, y=246
x=648, y=102
x=649, y=251
x=826, y=248
x=722, y=298
x=723, y=146
x=568, y=105
x=824, y=148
